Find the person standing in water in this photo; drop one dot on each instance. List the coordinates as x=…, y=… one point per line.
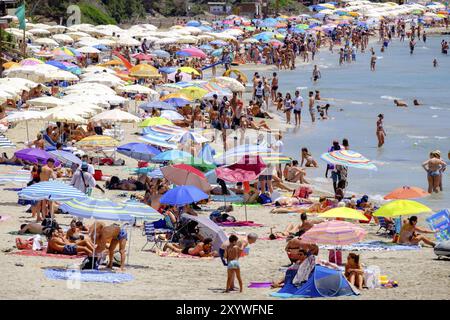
x=316, y=75
x=434, y=167
x=311, y=107
x=435, y=63
x=412, y=44
x=373, y=61
x=380, y=130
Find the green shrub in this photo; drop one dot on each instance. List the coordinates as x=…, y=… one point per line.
x=92, y=14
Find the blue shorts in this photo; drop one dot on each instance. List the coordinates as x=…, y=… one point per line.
x=336, y=176
x=70, y=249
x=233, y=264
x=122, y=234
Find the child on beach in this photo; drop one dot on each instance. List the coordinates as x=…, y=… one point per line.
x=232, y=254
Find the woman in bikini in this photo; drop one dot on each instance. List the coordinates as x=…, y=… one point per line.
x=308, y=159
x=434, y=168
x=408, y=233
x=380, y=130
x=354, y=271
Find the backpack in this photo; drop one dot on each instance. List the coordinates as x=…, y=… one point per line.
x=264, y=198
x=88, y=261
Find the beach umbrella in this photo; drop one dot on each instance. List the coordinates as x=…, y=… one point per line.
x=60, y=75
x=138, y=151
x=115, y=115
x=209, y=229
x=154, y=121
x=167, y=69
x=334, y=232
x=64, y=115
x=30, y=62
x=97, y=141
x=158, y=105
x=193, y=93
x=188, y=136
x=17, y=177
x=5, y=142
x=47, y=101
x=26, y=116
x=189, y=70
x=182, y=195
x=406, y=192
x=142, y=56
x=171, y=155
x=171, y=115
x=50, y=190
x=177, y=99
x=68, y=158
x=192, y=52
x=348, y=158
x=183, y=174
x=344, y=212
x=92, y=208
x=11, y=64
x=197, y=163
x=230, y=83
x=161, y=54
x=136, y=88
x=144, y=71
x=401, y=207
x=34, y=155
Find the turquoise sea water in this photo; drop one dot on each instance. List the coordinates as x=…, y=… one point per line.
x=411, y=132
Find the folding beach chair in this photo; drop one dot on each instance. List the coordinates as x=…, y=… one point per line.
x=385, y=229
x=152, y=235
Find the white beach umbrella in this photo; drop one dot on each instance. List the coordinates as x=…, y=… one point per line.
x=136, y=88
x=92, y=70
x=166, y=41
x=78, y=34
x=116, y=115
x=127, y=41
x=62, y=38
x=171, y=115
x=56, y=29
x=64, y=115
x=46, y=41
x=46, y=101
x=87, y=49
x=36, y=31
x=187, y=40
x=107, y=42
x=60, y=75
x=230, y=83
x=27, y=115
x=19, y=33
x=83, y=98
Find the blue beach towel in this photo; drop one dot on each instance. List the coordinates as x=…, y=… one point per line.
x=374, y=246
x=229, y=198
x=87, y=275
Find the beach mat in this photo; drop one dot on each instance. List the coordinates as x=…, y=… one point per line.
x=4, y=218
x=231, y=198
x=43, y=253
x=374, y=246
x=87, y=275
x=240, y=224
x=259, y=285
x=181, y=255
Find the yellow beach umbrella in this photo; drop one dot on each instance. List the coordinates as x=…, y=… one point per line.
x=189, y=70
x=144, y=71
x=113, y=62
x=155, y=121
x=401, y=208
x=97, y=142
x=344, y=212
x=176, y=95
x=327, y=5
x=353, y=14
x=11, y=64
x=193, y=93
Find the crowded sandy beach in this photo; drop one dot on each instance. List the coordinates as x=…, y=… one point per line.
x=278, y=157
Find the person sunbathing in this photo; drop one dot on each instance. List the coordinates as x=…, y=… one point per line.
x=33, y=228
x=408, y=233
x=322, y=206
x=201, y=249
x=12, y=161
x=248, y=122
x=113, y=235
x=277, y=183
x=296, y=174
x=57, y=243
x=74, y=234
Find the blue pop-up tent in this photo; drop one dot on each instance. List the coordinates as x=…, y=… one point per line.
x=323, y=282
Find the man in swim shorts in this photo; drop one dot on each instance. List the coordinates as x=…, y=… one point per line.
x=57, y=243
x=114, y=235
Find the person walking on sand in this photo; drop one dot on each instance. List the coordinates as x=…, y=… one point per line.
x=288, y=107
x=298, y=105
x=232, y=254
x=380, y=130
x=274, y=88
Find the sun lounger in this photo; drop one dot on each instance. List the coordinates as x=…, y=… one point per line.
x=152, y=235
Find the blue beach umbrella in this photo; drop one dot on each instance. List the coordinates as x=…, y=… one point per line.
x=171, y=155
x=219, y=43
x=157, y=105
x=167, y=69
x=92, y=208
x=138, y=151
x=182, y=195
x=66, y=157
x=51, y=190
x=178, y=102
x=161, y=54
x=206, y=47
x=193, y=23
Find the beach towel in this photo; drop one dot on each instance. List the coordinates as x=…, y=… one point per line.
x=229, y=198
x=240, y=224
x=181, y=255
x=249, y=205
x=374, y=246
x=13, y=189
x=43, y=253
x=87, y=275
x=259, y=285
x=4, y=218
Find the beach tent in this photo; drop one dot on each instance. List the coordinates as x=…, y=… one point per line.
x=323, y=282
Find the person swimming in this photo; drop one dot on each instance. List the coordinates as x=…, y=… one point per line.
x=400, y=103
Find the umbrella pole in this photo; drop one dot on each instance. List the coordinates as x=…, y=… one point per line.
x=95, y=238
x=129, y=243
x=28, y=136
x=245, y=209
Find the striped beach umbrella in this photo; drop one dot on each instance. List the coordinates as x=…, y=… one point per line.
x=187, y=137
x=101, y=209
x=97, y=141
x=138, y=151
x=17, y=177
x=172, y=155
x=51, y=190
x=159, y=140
x=139, y=210
x=348, y=158
x=68, y=158
x=5, y=142
x=154, y=121
x=334, y=233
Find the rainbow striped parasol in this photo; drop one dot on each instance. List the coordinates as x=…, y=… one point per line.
x=348, y=158
x=334, y=233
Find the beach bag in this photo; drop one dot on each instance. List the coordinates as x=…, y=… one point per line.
x=335, y=257
x=264, y=199
x=372, y=277
x=88, y=261
x=302, y=192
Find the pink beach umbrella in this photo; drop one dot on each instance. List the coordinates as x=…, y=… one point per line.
x=31, y=62
x=194, y=52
